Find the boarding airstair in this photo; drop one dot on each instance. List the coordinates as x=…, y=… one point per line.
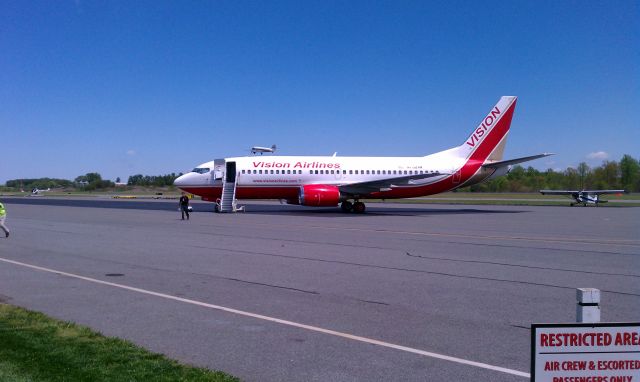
x=228, y=198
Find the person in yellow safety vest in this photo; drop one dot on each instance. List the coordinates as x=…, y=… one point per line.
x=3, y=216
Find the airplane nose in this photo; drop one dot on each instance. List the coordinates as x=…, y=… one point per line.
x=180, y=181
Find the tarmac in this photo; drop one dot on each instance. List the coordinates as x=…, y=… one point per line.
x=405, y=292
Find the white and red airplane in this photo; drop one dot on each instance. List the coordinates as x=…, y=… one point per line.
x=327, y=181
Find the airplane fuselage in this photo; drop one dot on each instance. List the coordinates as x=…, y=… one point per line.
x=280, y=177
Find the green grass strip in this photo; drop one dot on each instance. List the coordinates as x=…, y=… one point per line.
x=34, y=347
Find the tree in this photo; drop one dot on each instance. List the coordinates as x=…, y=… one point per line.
x=118, y=180
x=157, y=181
x=630, y=173
x=93, y=177
x=606, y=176
x=583, y=172
x=134, y=180
x=92, y=181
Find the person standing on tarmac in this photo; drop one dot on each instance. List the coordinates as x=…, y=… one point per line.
x=3, y=216
x=184, y=206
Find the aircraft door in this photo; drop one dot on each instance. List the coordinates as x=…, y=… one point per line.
x=231, y=172
x=217, y=174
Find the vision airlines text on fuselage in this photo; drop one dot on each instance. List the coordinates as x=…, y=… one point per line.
x=300, y=164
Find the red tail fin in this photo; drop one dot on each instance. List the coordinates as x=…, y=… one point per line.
x=490, y=135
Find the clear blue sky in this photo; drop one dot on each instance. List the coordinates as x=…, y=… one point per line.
x=154, y=87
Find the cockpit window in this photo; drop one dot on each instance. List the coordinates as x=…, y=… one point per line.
x=200, y=170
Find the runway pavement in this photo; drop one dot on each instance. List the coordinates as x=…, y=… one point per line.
x=287, y=293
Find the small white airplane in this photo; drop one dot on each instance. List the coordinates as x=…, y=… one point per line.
x=262, y=150
x=583, y=197
x=327, y=181
x=36, y=191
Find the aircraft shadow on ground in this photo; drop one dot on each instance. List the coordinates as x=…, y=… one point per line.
x=371, y=211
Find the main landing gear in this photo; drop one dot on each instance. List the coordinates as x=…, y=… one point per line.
x=357, y=207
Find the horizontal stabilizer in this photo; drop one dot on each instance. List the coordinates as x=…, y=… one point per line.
x=503, y=163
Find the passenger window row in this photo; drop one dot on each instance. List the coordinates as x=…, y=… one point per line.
x=372, y=172
x=283, y=172
x=344, y=172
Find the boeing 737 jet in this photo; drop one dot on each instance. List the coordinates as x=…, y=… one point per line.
x=329, y=181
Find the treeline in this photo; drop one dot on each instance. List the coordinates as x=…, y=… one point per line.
x=42, y=183
x=92, y=181
x=610, y=175
x=155, y=181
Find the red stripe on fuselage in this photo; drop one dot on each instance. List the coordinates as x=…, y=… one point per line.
x=470, y=168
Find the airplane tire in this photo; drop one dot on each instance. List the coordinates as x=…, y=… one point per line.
x=346, y=206
x=359, y=207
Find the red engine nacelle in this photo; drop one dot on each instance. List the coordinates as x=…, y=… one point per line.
x=319, y=195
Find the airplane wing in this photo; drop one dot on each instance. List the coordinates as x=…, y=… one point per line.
x=559, y=192
x=509, y=162
x=585, y=192
x=386, y=184
x=603, y=192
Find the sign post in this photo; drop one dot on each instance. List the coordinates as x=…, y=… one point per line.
x=588, y=352
x=588, y=308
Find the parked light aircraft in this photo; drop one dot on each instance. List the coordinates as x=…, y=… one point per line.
x=584, y=196
x=324, y=181
x=36, y=191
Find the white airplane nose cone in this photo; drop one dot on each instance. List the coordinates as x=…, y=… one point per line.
x=180, y=181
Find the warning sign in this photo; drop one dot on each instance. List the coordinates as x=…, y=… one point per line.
x=602, y=352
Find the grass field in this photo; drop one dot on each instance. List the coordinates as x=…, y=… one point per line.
x=36, y=348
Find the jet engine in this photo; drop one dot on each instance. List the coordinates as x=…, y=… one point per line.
x=319, y=195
